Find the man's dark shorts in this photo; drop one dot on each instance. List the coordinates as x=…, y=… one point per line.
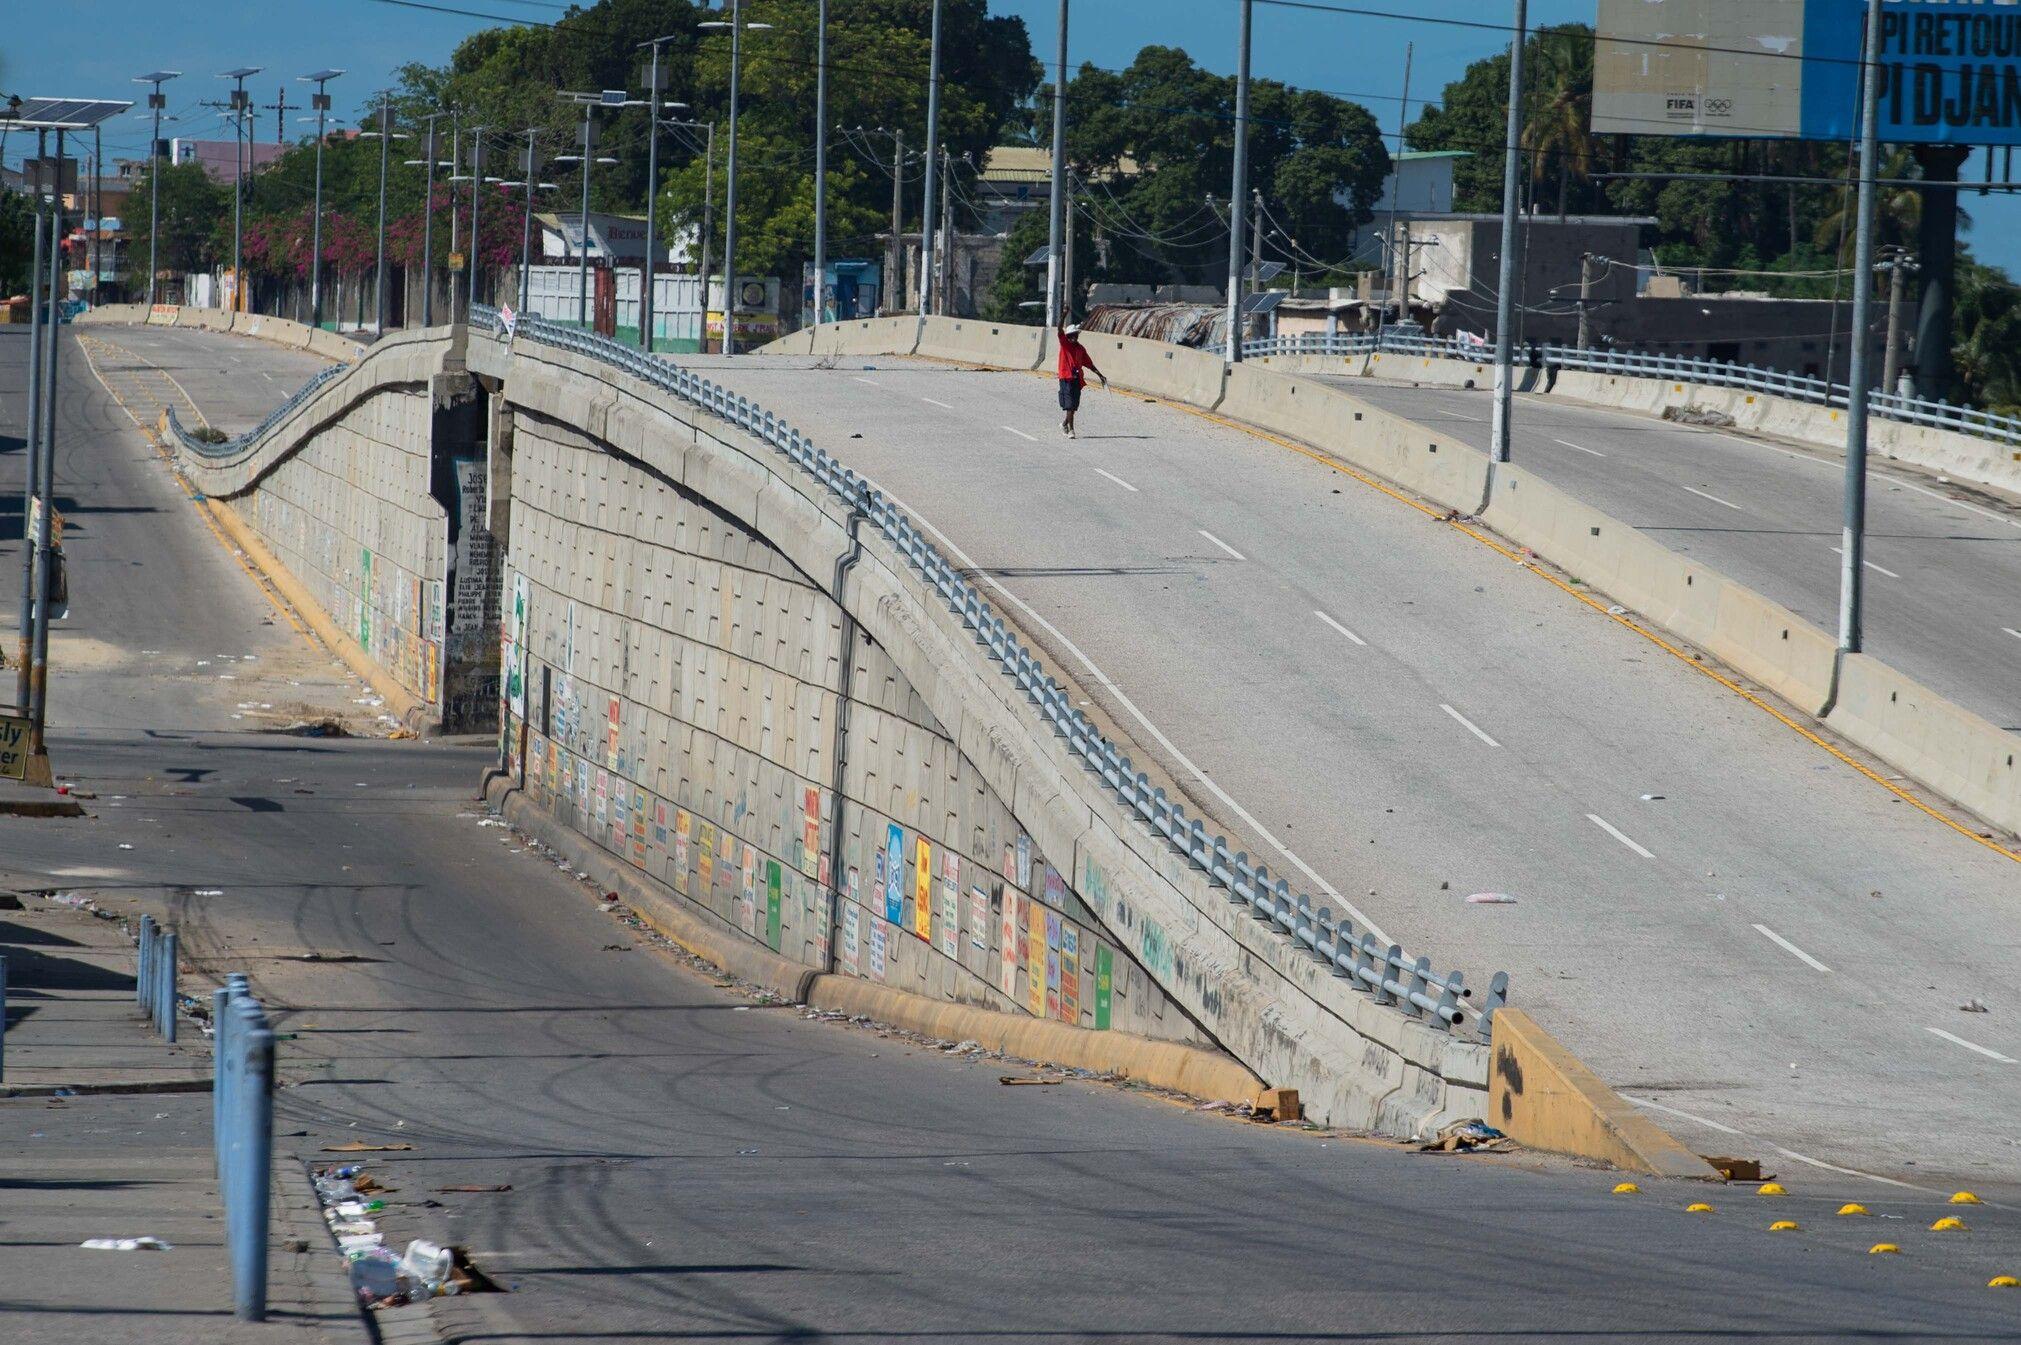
x=1070, y=395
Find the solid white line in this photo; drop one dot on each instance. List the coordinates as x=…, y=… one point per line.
x=1839, y=551
x=871, y=381
x=1871, y=476
x=1337, y=626
x=1218, y=542
x=942, y=405
x=1617, y=834
x=1970, y=1045
x=1108, y=684
x=1790, y=1154
x=1790, y=948
x=1581, y=447
x=1469, y=725
x=1715, y=499
x=2011, y=631
x=1117, y=479
x=1021, y=434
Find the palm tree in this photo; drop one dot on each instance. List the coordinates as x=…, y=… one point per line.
x=1560, y=101
x=1897, y=210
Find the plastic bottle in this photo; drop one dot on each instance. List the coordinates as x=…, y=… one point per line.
x=378, y=1277
x=429, y=1264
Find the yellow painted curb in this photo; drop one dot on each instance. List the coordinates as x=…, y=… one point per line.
x=1542, y=1095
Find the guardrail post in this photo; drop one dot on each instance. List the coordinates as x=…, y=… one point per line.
x=253, y=1133
x=165, y=1011
x=140, y=982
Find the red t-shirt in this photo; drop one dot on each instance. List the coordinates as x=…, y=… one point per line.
x=1074, y=357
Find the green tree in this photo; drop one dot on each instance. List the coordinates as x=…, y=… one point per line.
x=17, y=243
x=193, y=208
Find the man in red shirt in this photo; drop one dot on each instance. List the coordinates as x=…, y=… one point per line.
x=1074, y=357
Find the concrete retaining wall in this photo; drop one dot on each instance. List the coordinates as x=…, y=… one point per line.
x=277, y=331
x=710, y=699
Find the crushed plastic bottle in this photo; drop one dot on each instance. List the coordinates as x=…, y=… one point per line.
x=380, y=1279
x=429, y=1265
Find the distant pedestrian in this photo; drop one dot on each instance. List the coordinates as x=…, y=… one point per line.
x=1074, y=357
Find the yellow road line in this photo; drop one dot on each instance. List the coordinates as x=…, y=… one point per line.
x=1759, y=702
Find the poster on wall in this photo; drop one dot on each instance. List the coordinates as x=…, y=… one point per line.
x=810, y=857
x=747, y=904
x=895, y=872
x=1024, y=857
x=682, y=824
x=922, y=892
x=772, y=904
x=1052, y=964
x=1070, y=974
x=851, y=933
x=1105, y=972
x=1008, y=925
x=948, y=920
x=877, y=954
x=1034, y=937
x=705, y=862
x=978, y=920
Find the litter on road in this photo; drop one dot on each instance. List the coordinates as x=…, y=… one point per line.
x=141, y=1244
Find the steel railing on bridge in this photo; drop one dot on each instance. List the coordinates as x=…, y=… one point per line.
x=229, y=447
x=1936, y=414
x=1369, y=964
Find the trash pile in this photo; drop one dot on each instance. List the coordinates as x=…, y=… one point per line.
x=381, y=1277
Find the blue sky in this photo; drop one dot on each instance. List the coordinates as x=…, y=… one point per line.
x=94, y=47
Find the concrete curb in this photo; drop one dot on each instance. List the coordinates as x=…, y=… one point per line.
x=1543, y=1096
x=410, y=709
x=1185, y=1069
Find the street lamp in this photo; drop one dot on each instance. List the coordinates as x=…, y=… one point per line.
x=1056, y=214
x=319, y=103
x=384, y=134
x=428, y=220
x=737, y=28
x=529, y=185
x=821, y=159
x=708, y=130
x=155, y=103
x=589, y=102
x=932, y=135
x=241, y=108
x=653, y=106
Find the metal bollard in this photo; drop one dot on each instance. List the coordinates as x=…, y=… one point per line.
x=140, y=976
x=3, y=1015
x=165, y=1016
x=253, y=1138
x=221, y=1001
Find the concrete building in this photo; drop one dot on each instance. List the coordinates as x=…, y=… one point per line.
x=220, y=158
x=1419, y=182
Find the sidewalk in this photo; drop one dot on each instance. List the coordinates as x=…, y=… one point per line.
x=79, y=1163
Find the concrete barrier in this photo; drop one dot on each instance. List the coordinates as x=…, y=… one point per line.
x=997, y=345
x=1541, y=1095
x=1942, y=745
x=861, y=336
x=121, y=313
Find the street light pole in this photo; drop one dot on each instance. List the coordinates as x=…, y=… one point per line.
x=476, y=209
x=730, y=194
x=319, y=102
x=1239, y=192
x=1505, y=296
x=582, y=242
x=155, y=103
x=526, y=222
x=932, y=153
x=652, y=197
x=35, y=302
x=1852, y=578
x=1057, y=212
x=429, y=151
x=52, y=331
x=379, y=266
x=239, y=105
x=820, y=160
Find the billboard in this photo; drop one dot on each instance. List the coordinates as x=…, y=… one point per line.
x=1790, y=69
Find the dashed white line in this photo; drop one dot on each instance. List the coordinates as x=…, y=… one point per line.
x=1223, y=545
x=1021, y=434
x=1790, y=1154
x=1457, y=415
x=1121, y=482
x=1840, y=551
x=1618, y=834
x=2011, y=631
x=942, y=405
x=1790, y=948
x=1581, y=447
x=1704, y=495
x=1469, y=725
x=1956, y=1040
x=1337, y=626
x=871, y=381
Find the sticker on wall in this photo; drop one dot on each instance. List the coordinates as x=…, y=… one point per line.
x=851, y=934
x=895, y=873
x=1105, y=972
x=1070, y=974
x=922, y=892
x=772, y=904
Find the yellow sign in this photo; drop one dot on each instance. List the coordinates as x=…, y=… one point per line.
x=922, y=891
x=13, y=747
x=456, y=261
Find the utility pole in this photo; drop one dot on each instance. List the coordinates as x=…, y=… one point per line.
x=894, y=284
x=946, y=233
x=319, y=103
x=1256, y=239
x=526, y=221
x=97, y=200
x=736, y=25
x=1505, y=294
x=476, y=208
x=52, y=331
x=1897, y=265
x=932, y=148
x=1399, y=270
x=1055, y=312
x=1852, y=577
x=379, y=266
x=241, y=105
x=1068, y=293
x=1586, y=278
x=428, y=164
x=279, y=107
x=155, y=104
x=455, y=151
x=653, y=91
x=1236, y=195
x=821, y=162
x=24, y=653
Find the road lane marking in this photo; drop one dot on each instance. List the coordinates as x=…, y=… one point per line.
x=1956, y=1040
x=942, y=405
x=1715, y=499
x=1790, y=1154
x=1121, y=482
x=1337, y=626
x=1790, y=948
x=1108, y=684
x=1581, y=447
x=1021, y=434
x=1871, y=476
x=1469, y=725
x=1458, y=415
x=1218, y=542
x=1617, y=834
x=2011, y=631
x=1838, y=551
x=871, y=381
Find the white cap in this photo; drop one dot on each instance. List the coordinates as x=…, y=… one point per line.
x=1073, y=329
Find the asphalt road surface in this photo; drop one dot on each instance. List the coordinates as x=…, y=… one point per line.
x=1943, y=561
x=1727, y=922
x=686, y=1163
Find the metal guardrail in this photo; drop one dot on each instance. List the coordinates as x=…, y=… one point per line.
x=154, y=985
x=229, y=447
x=1936, y=414
x=242, y=1129
x=1368, y=964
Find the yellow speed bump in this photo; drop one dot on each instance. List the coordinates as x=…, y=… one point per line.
x=1964, y=1198
x=1948, y=1224
x=1783, y=1226
x=1884, y=1249
x=1627, y=1189
x=1852, y=1207
x=1698, y=1207
x=2003, y=1282
x=1771, y=1189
